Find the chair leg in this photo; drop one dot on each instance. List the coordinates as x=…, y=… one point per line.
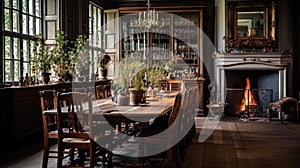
x=281, y=117
x=92, y=155
x=46, y=153
x=60, y=156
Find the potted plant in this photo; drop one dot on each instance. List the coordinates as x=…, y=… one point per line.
x=154, y=75
x=137, y=93
x=103, y=62
x=65, y=55
x=61, y=62
x=41, y=60
x=137, y=71
x=129, y=73
x=79, y=58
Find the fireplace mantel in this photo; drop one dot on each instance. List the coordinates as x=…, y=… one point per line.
x=253, y=61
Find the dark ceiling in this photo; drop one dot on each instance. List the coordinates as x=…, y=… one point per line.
x=135, y=3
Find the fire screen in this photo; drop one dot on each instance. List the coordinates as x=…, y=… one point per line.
x=248, y=102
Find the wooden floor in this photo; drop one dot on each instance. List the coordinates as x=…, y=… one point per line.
x=233, y=143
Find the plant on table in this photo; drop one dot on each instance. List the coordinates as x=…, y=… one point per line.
x=154, y=75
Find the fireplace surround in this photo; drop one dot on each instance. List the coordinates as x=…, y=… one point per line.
x=273, y=63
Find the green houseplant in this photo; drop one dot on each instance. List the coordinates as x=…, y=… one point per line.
x=79, y=58
x=130, y=71
x=66, y=54
x=154, y=75
x=61, y=62
x=103, y=62
x=41, y=60
x=137, y=93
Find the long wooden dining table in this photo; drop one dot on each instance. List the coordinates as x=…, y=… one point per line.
x=143, y=113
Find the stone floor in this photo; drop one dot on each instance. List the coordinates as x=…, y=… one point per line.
x=233, y=143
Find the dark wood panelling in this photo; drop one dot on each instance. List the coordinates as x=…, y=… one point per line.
x=296, y=52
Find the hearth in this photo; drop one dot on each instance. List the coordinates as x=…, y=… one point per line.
x=268, y=73
x=248, y=102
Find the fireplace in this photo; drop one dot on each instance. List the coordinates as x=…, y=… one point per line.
x=268, y=73
x=249, y=93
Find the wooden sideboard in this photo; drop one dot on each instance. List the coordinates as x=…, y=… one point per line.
x=21, y=116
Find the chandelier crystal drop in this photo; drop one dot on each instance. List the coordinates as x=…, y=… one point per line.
x=148, y=18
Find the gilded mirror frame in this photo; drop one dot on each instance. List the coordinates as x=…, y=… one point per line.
x=268, y=7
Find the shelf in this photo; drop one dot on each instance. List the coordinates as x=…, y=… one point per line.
x=176, y=37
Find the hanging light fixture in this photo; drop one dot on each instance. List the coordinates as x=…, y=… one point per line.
x=148, y=18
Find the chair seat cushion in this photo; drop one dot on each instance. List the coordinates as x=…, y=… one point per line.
x=76, y=140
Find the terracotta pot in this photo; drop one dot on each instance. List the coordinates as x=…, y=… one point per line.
x=103, y=73
x=137, y=97
x=46, y=78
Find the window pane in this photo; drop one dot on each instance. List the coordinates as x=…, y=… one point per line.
x=26, y=68
x=7, y=71
x=31, y=25
x=38, y=8
x=6, y=3
x=30, y=6
x=16, y=48
x=16, y=70
x=15, y=4
x=99, y=27
x=24, y=24
x=90, y=25
x=90, y=18
x=7, y=19
x=25, y=50
x=38, y=26
x=24, y=6
x=94, y=20
x=31, y=47
x=15, y=21
x=7, y=47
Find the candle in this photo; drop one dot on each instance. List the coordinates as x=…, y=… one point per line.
x=144, y=14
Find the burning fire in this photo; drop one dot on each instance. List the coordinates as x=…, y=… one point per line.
x=248, y=97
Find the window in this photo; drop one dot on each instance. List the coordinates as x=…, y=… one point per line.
x=22, y=21
x=95, y=32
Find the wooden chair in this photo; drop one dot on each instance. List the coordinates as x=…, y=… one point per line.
x=47, y=98
x=173, y=153
x=78, y=105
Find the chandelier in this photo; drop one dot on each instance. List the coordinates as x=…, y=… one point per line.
x=148, y=18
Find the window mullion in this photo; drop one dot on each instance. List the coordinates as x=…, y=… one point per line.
x=20, y=39
x=12, y=65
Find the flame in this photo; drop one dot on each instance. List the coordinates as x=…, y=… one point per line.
x=248, y=97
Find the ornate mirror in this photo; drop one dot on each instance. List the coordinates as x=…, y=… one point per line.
x=251, y=24
x=252, y=20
